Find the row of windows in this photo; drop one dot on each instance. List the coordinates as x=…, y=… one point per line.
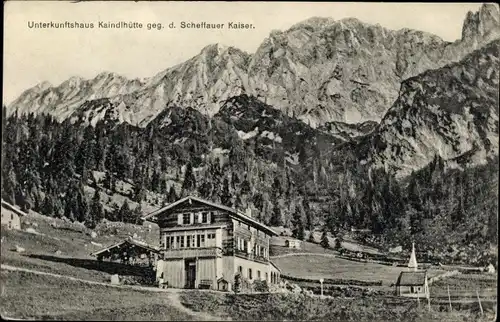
x=190, y=241
x=250, y=273
x=191, y=218
x=257, y=232
x=274, y=276
x=244, y=245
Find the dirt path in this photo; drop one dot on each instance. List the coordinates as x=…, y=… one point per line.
x=173, y=297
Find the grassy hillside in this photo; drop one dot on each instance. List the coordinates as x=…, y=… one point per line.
x=30, y=296
x=317, y=266
x=57, y=246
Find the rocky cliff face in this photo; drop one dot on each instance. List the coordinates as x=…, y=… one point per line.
x=451, y=112
x=324, y=70
x=64, y=100
x=319, y=71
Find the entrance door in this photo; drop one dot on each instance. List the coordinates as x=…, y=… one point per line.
x=190, y=266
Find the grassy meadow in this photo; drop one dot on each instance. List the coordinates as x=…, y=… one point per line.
x=317, y=266
x=26, y=295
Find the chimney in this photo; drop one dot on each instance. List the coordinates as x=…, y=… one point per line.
x=248, y=212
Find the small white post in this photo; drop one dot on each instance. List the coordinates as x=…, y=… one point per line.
x=321, y=281
x=449, y=298
x=479, y=301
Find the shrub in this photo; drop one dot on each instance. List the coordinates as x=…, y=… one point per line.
x=261, y=286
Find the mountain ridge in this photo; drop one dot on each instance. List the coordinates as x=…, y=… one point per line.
x=319, y=70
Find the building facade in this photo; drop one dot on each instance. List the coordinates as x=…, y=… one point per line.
x=413, y=284
x=292, y=243
x=11, y=216
x=130, y=252
x=202, y=242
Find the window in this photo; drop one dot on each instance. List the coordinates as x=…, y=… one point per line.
x=240, y=270
x=258, y=274
x=202, y=240
x=193, y=241
x=188, y=244
x=204, y=217
x=186, y=219
x=180, y=241
x=167, y=242
x=11, y=216
x=267, y=277
x=250, y=273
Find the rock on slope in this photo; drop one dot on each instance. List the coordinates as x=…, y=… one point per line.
x=319, y=70
x=451, y=112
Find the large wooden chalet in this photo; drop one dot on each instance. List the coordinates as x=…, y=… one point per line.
x=203, y=243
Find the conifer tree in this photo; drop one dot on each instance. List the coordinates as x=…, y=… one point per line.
x=172, y=195
x=325, y=243
x=298, y=225
x=189, y=183
x=225, y=194
x=276, y=219
x=96, y=209
x=311, y=238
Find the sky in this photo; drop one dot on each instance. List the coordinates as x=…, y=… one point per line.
x=54, y=55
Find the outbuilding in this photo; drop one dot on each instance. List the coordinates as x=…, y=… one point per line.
x=413, y=284
x=11, y=216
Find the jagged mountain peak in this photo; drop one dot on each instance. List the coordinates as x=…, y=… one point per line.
x=481, y=23
x=40, y=87
x=108, y=74
x=217, y=47
x=314, y=22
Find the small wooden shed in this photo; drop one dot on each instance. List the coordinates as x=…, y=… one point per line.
x=129, y=251
x=292, y=243
x=223, y=285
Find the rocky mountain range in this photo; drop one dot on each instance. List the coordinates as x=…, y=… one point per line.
x=396, y=98
x=450, y=112
x=319, y=70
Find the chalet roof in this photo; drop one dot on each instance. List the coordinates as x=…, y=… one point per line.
x=411, y=278
x=13, y=208
x=222, y=279
x=275, y=266
x=129, y=241
x=151, y=216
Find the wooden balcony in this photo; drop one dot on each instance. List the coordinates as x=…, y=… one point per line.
x=192, y=253
x=252, y=257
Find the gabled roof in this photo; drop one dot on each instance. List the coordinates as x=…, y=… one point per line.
x=13, y=208
x=151, y=216
x=411, y=278
x=275, y=266
x=131, y=241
